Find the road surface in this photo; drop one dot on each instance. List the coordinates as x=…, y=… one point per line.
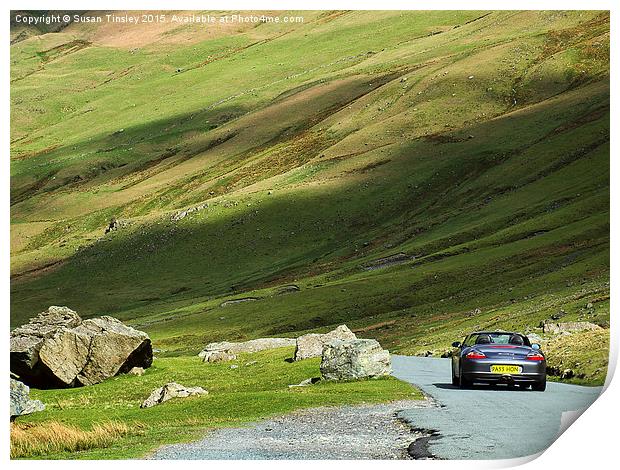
x=487, y=422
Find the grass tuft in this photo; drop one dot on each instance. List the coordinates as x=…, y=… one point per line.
x=37, y=439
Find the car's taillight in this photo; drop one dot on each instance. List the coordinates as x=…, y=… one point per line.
x=535, y=357
x=475, y=355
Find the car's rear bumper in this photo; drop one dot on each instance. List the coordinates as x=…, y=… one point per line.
x=480, y=371
x=488, y=377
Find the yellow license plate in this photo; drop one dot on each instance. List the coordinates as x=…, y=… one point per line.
x=506, y=369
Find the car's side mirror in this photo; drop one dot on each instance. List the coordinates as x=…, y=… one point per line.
x=536, y=346
x=456, y=344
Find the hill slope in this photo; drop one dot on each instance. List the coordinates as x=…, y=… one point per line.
x=415, y=175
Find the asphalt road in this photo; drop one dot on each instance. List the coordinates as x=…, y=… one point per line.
x=487, y=422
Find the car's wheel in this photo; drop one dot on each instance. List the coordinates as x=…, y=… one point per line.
x=464, y=382
x=455, y=379
x=540, y=386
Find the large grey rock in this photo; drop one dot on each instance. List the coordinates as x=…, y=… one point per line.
x=59, y=349
x=354, y=359
x=311, y=345
x=254, y=345
x=569, y=327
x=21, y=404
x=171, y=390
x=26, y=340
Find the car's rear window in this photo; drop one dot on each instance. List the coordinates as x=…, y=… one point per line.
x=495, y=338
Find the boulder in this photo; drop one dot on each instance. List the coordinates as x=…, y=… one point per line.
x=568, y=374
x=311, y=345
x=354, y=359
x=112, y=226
x=254, y=345
x=26, y=340
x=218, y=356
x=558, y=315
x=21, y=404
x=58, y=349
x=139, y=371
x=288, y=289
x=569, y=327
x=534, y=338
x=306, y=382
x=171, y=390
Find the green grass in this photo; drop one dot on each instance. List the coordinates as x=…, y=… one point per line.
x=236, y=397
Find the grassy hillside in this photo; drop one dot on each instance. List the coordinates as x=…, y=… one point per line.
x=415, y=175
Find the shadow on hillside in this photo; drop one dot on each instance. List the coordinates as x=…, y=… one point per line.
x=161, y=140
x=274, y=239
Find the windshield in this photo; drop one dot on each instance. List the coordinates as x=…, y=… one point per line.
x=497, y=338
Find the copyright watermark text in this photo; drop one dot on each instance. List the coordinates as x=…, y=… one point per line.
x=139, y=18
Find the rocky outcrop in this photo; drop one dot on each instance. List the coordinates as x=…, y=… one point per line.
x=21, y=404
x=569, y=327
x=169, y=391
x=238, y=301
x=387, y=262
x=311, y=345
x=355, y=359
x=184, y=213
x=58, y=349
x=255, y=345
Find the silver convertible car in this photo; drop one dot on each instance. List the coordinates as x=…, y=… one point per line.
x=499, y=357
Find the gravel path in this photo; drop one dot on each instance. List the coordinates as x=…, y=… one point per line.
x=344, y=432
